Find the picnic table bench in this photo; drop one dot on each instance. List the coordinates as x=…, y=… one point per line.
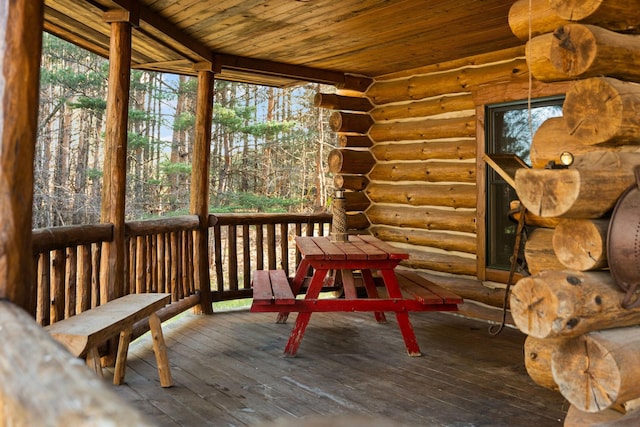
x=83, y=333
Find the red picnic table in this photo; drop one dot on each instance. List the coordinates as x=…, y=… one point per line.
x=364, y=253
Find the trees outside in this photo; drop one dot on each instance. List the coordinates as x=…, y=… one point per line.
x=268, y=145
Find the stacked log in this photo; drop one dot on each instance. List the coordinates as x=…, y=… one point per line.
x=352, y=161
x=582, y=341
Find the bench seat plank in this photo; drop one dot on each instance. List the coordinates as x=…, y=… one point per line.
x=271, y=287
x=281, y=287
x=424, y=290
x=94, y=327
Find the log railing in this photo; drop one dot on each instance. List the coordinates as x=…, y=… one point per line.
x=67, y=262
x=237, y=244
x=160, y=258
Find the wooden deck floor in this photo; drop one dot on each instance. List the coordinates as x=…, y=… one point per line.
x=228, y=370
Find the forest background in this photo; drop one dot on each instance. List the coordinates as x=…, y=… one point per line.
x=268, y=148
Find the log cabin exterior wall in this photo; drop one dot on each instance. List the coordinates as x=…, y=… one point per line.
x=427, y=184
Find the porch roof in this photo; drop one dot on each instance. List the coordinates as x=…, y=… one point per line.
x=284, y=42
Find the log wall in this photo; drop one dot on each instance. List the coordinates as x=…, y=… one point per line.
x=582, y=333
x=423, y=186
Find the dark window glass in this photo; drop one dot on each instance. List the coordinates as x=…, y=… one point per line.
x=509, y=130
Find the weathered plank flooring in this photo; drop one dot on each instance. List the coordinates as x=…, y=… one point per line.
x=228, y=370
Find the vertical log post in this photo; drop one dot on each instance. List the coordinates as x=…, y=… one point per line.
x=20, y=50
x=199, y=200
x=112, y=278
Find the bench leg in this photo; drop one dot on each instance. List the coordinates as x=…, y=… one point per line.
x=160, y=350
x=93, y=360
x=121, y=356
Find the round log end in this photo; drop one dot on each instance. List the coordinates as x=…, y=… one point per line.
x=335, y=160
x=594, y=110
x=335, y=121
x=581, y=244
x=548, y=192
x=573, y=50
x=534, y=307
x=537, y=361
x=587, y=374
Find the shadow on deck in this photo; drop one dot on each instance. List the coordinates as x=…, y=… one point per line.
x=228, y=370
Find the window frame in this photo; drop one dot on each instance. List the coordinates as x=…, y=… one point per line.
x=485, y=96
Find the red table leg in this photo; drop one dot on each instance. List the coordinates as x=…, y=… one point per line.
x=298, y=279
x=409, y=336
x=372, y=292
x=303, y=318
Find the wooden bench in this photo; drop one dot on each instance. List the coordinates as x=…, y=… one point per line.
x=425, y=291
x=83, y=333
x=272, y=287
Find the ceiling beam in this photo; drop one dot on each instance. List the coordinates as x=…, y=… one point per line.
x=220, y=61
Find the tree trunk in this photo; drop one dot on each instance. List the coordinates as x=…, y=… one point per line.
x=351, y=182
x=569, y=303
x=579, y=51
x=571, y=193
x=538, y=251
x=616, y=15
x=451, y=195
x=344, y=160
x=424, y=218
x=429, y=107
x=449, y=263
x=428, y=150
x=115, y=162
x=537, y=360
x=454, y=81
x=457, y=127
x=350, y=122
x=354, y=141
x=578, y=418
x=542, y=18
x=356, y=201
x=425, y=171
x=603, y=111
x=20, y=33
x=599, y=370
x=581, y=244
x=552, y=139
x=340, y=102
x=435, y=239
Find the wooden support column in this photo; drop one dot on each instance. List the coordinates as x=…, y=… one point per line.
x=112, y=279
x=199, y=203
x=20, y=50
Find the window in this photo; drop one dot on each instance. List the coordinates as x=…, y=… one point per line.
x=509, y=130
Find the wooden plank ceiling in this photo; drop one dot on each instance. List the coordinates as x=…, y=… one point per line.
x=284, y=42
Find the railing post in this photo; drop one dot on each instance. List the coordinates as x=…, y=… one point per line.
x=20, y=51
x=112, y=269
x=199, y=201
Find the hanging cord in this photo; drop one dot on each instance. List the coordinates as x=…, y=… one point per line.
x=496, y=329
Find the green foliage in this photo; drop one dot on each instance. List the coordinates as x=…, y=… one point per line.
x=252, y=202
x=139, y=115
x=136, y=140
x=169, y=168
x=185, y=121
x=94, y=174
x=97, y=105
x=269, y=129
x=189, y=86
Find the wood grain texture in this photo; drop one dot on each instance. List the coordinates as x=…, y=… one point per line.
x=19, y=81
x=44, y=385
x=598, y=370
x=569, y=303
